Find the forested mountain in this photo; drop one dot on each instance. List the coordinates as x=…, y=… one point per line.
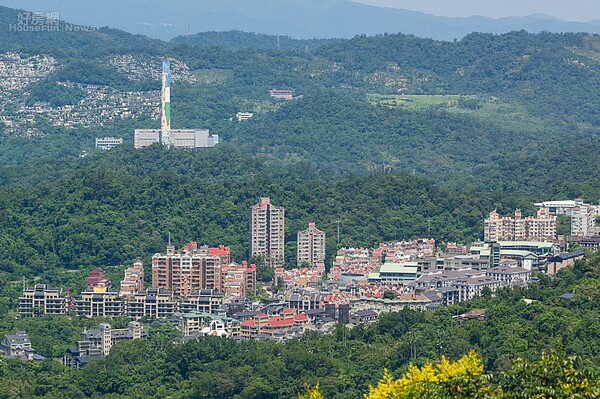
x=113, y=209
x=72, y=42
x=479, y=117
x=238, y=40
x=505, y=128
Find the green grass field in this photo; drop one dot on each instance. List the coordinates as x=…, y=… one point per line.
x=492, y=109
x=416, y=102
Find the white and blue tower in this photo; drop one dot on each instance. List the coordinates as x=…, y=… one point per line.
x=166, y=105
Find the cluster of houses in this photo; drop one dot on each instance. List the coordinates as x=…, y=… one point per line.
x=200, y=291
x=101, y=105
x=144, y=69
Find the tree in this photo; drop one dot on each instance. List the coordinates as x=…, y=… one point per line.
x=310, y=393
x=388, y=295
x=550, y=377
x=461, y=379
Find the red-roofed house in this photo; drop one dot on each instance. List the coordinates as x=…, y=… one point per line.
x=273, y=325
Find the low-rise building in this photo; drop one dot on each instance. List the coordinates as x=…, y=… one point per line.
x=201, y=323
x=19, y=346
x=592, y=242
x=470, y=288
x=511, y=275
x=394, y=272
x=563, y=260
x=364, y=317
x=99, y=302
x=152, y=303
x=97, y=343
x=243, y=116
x=285, y=325
x=282, y=94
x=108, y=143
x=180, y=138
x=42, y=299
x=204, y=301
x=96, y=279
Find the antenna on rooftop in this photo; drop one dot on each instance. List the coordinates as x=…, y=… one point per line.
x=169, y=238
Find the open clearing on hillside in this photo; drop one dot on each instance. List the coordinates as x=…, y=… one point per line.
x=492, y=109
x=417, y=102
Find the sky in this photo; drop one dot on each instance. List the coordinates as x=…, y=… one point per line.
x=569, y=10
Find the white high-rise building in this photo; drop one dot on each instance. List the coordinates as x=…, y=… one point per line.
x=583, y=220
x=267, y=232
x=311, y=246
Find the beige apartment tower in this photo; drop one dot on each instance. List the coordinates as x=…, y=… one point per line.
x=519, y=228
x=311, y=246
x=267, y=232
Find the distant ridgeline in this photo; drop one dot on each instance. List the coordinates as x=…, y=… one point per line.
x=238, y=40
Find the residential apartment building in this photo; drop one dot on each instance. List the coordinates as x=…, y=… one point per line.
x=152, y=303
x=564, y=207
x=311, y=246
x=133, y=282
x=99, y=302
x=583, y=220
x=506, y=228
x=470, y=288
x=462, y=285
x=267, y=232
x=42, y=299
x=511, y=275
x=191, y=269
x=303, y=300
x=205, y=301
x=239, y=279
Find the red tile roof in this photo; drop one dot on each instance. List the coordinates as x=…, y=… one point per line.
x=300, y=317
x=281, y=323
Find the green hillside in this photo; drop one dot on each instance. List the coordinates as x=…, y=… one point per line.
x=524, y=100
x=475, y=121
x=240, y=40
x=112, y=209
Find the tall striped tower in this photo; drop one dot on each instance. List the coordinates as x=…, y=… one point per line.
x=166, y=104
